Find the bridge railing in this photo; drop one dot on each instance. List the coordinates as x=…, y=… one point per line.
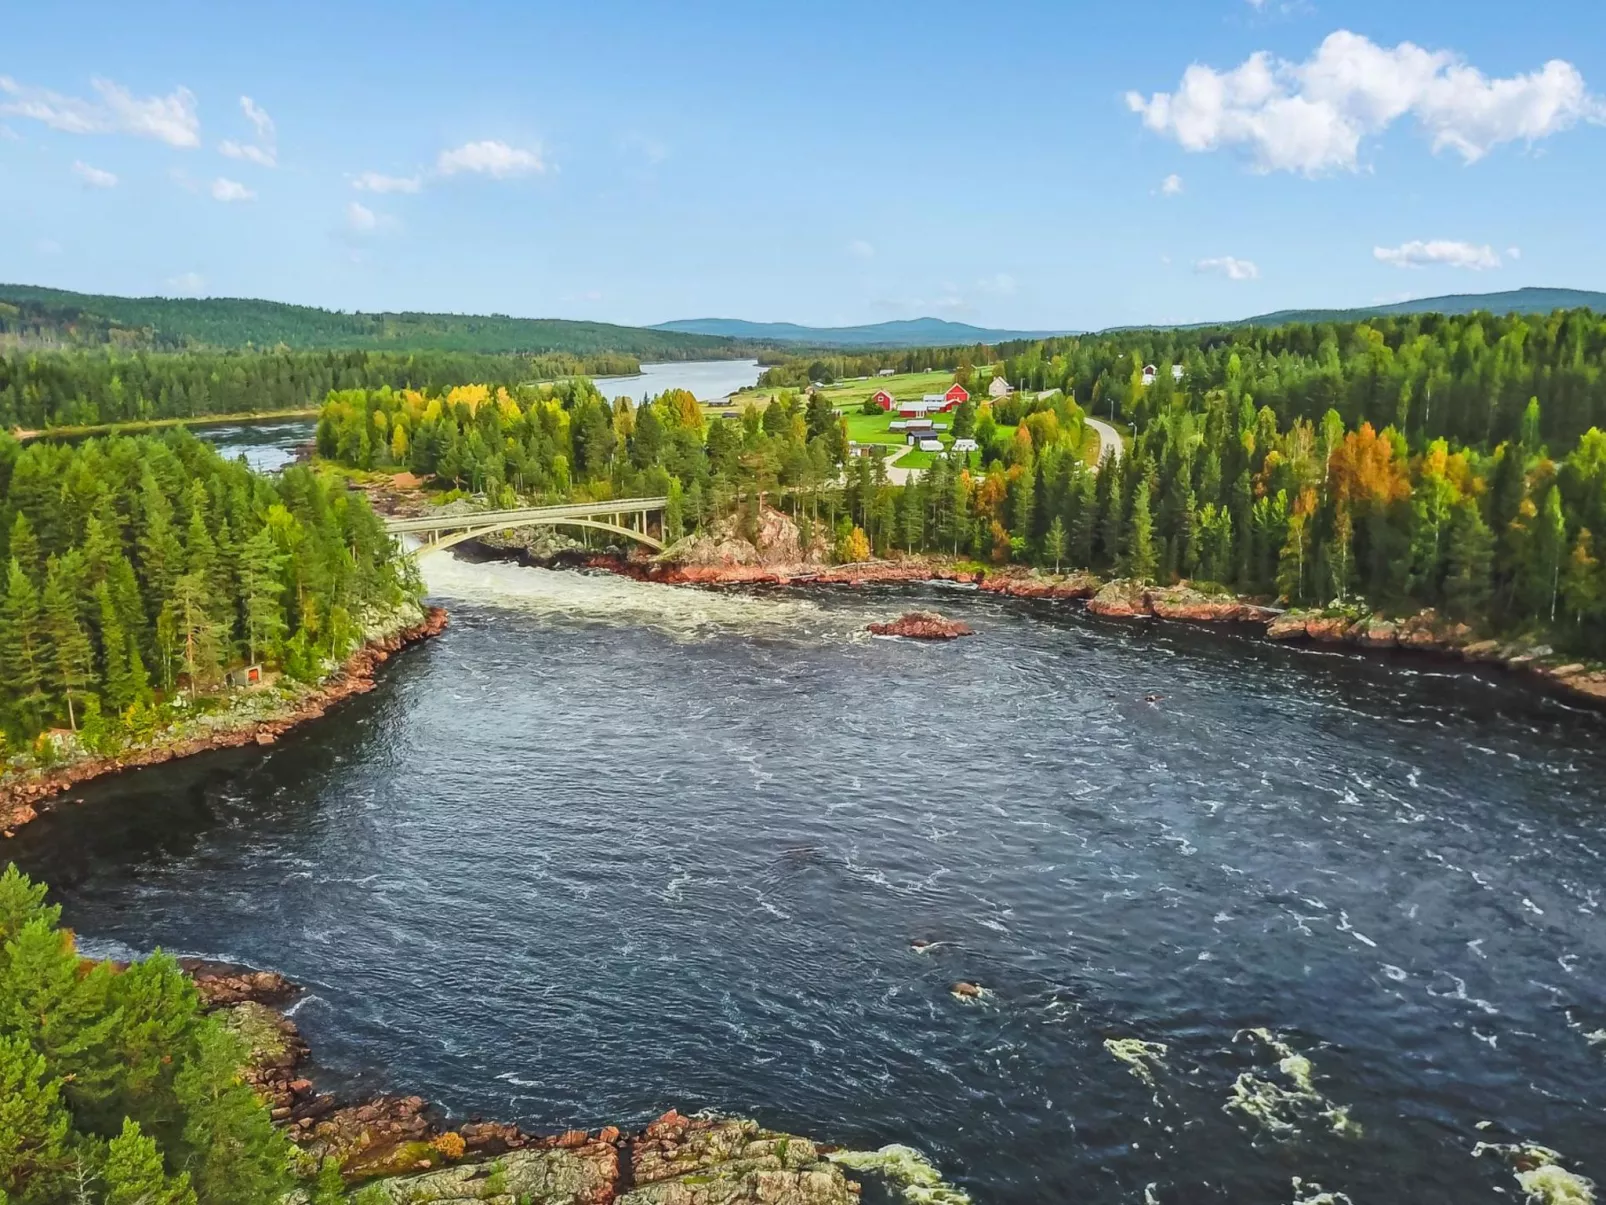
x=533, y=514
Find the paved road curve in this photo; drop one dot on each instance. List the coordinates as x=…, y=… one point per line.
x=1109, y=439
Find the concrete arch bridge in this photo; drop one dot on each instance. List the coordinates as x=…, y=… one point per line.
x=633, y=518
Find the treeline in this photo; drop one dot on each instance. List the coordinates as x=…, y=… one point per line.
x=40, y=390
x=1462, y=378
x=233, y=323
x=115, y=1087
x=136, y=572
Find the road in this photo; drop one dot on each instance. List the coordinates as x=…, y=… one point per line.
x=1109, y=439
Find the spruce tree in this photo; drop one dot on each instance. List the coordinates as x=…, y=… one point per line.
x=1467, y=587
x=71, y=672
x=1138, y=555
x=24, y=651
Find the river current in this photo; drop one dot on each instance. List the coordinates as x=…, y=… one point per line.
x=607, y=847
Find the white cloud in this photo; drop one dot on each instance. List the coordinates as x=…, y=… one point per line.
x=862, y=248
x=1513, y=252
x=1228, y=266
x=250, y=152
x=360, y=218
x=377, y=182
x=1438, y=253
x=490, y=158
x=1171, y=186
x=231, y=190
x=264, y=152
x=171, y=119
x=94, y=177
x=259, y=118
x=1311, y=117
x=187, y=284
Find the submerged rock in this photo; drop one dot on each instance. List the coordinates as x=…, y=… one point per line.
x=922, y=625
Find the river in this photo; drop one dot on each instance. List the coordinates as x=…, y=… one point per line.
x=607, y=847
x=710, y=380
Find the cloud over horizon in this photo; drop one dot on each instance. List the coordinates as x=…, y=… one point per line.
x=1443, y=253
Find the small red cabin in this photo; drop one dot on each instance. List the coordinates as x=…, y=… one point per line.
x=883, y=399
x=956, y=394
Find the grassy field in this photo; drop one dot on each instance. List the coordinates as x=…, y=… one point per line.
x=905, y=387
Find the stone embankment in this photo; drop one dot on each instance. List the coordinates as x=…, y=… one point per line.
x=393, y=1146
x=261, y=719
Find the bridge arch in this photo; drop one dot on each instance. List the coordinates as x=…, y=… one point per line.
x=448, y=540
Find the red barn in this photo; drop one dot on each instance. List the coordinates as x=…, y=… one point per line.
x=956, y=395
x=883, y=399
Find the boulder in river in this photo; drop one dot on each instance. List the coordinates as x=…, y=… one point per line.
x=922, y=625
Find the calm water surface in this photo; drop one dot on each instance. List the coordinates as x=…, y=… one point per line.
x=708, y=379
x=606, y=848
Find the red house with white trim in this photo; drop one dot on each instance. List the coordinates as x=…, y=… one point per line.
x=956, y=394
x=884, y=399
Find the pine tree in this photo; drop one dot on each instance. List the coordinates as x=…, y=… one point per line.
x=24, y=546
x=229, y=1145
x=134, y=1175
x=71, y=671
x=262, y=587
x=1468, y=587
x=34, y=1125
x=24, y=651
x=1138, y=554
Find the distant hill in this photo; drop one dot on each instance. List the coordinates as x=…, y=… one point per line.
x=913, y=332
x=56, y=316
x=1514, y=301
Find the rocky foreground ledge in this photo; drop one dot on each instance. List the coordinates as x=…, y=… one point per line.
x=258, y=716
x=391, y=1151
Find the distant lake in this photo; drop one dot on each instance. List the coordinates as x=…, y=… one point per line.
x=710, y=380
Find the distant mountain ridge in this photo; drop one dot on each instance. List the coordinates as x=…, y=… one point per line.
x=910, y=332
x=1513, y=301
x=235, y=322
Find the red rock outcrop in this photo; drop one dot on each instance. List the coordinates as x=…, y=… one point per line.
x=922, y=625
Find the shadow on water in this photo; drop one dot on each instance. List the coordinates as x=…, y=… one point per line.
x=605, y=848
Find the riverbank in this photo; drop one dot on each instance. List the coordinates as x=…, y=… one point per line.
x=1425, y=632
x=257, y=716
x=398, y=1149
x=139, y=426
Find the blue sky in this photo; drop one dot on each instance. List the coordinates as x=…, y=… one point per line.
x=829, y=163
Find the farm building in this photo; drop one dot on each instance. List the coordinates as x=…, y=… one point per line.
x=1000, y=388
x=884, y=399
x=965, y=445
x=930, y=445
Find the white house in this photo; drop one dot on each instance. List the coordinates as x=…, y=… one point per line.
x=887, y=372
x=964, y=445
x=1000, y=388
x=1149, y=373
x=1176, y=372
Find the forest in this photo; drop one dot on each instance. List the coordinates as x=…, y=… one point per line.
x=42, y=390
x=36, y=317
x=1451, y=463
x=137, y=571
x=115, y=1086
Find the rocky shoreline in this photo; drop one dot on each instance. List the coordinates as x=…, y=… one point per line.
x=22, y=797
x=1426, y=632
x=397, y=1151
